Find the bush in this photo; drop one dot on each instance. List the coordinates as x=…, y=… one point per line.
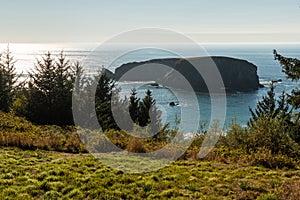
x=236, y=137
x=265, y=158
x=18, y=132
x=270, y=134
x=135, y=146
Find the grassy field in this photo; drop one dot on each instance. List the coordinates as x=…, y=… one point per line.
x=52, y=175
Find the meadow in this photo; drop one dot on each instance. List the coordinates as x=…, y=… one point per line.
x=41, y=162
x=52, y=175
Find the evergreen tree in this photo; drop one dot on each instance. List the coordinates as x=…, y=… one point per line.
x=145, y=105
x=64, y=80
x=50, y=91
x=83, y=98
x=8, y=80
x=148, y=113
x=286, y=108
x=105, y=90
x=134, y=105
x=270, y=108
x=291, y=67
x=80, y=80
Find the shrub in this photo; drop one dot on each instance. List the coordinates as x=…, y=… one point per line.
x=271, y=135
x=18, y=132
x=236, y=137
x=264, y=157
x=135, y=146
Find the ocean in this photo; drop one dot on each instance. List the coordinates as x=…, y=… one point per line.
x=237, y=108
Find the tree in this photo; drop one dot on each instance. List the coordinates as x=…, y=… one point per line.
x=8, y=80
x=286, y=108
x=134, y=106
x=145, y=106
x=105, y=90
x=271, y=108
x=291, y=67
x=148, y=113
x=50, y=91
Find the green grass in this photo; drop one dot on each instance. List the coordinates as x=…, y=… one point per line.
x=53, y=175
x=50, y=162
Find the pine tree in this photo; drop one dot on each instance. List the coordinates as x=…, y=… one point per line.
x=149, y=114
x=50, y=91
x=8, y=80
x=64, y=79
x=291, y=67
x=83, y=99
x=105, y=90
x=266, y=106
x=145, y=105
x=134, y=105
x=286, y=108
x=80, y=80
x=271, y=108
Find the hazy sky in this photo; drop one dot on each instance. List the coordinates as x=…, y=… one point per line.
x=96, y=20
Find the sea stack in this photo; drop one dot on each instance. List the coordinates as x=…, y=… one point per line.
x=237, y=75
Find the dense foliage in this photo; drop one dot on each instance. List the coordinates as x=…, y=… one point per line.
x=50, y=91
x=144, y=112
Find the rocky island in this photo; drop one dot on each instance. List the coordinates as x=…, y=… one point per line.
x=237, y=75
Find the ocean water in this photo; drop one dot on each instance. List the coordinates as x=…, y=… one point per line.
x=237, y=107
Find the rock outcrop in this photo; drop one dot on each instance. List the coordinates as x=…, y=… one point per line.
x=237, y=75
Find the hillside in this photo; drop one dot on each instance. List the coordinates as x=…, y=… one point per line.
x=52, y=175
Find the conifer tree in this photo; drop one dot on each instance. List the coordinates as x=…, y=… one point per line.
x=271, y=108
x=148, y=113
x=105, y=90
x=8, y=80
x=134, y=106
x=291, y=67
x=145, y=105
x=286, y=108
x=50, y=91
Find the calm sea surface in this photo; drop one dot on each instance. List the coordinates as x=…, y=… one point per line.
x=237, y=107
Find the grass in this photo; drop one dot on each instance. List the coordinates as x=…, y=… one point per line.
x=52, y=175
x=31, y=169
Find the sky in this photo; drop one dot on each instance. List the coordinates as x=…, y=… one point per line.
x=214, y=21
